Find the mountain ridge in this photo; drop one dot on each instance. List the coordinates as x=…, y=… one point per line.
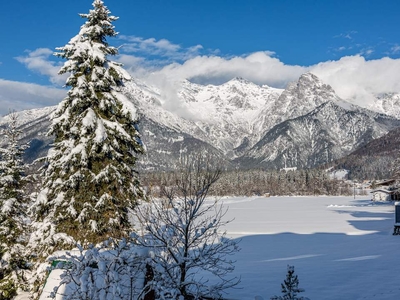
x=237, y=120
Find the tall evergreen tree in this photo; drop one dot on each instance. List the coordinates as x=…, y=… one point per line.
x=13, y=206
x=90, y=184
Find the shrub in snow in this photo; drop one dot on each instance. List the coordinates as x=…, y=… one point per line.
x=13, y=206
x=90, y=185
x=113, y=270
x=290, y=287
x=189, y=255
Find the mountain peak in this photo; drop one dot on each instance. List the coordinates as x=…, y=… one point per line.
x=309, y=75
x=310, y=82
x=240, y=80
x=310, y=79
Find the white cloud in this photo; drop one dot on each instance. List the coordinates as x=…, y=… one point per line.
x=347, y=35
x=340, y=49
x=151, y=45
x=366, y=51
x=39, y=61
x=352, y=77
x=357, y=79
x=19, y=96
x=395, y=49
x=259, y=67
x=160, y=48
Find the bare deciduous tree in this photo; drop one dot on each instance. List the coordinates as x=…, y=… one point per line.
x=183, y=233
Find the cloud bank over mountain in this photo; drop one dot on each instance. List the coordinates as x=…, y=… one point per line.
x=21, y=95
x=354, y=77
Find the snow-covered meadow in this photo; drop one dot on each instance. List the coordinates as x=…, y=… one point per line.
x=342, y=248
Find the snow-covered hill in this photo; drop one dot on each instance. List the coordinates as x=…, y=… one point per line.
x=304, y=125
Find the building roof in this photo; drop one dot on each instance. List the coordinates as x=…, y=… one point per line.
x=390, y=192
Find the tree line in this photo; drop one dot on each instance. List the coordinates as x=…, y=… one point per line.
x=258, y=182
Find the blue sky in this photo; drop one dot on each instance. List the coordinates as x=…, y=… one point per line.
x=207, y=41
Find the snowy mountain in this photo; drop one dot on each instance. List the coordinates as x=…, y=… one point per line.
x=388, y=103
x=373, y=160
x=240, y=122
x=221, y=115
x=165, y=145
x=34, y=124
x=299, y=98
x=326, y=133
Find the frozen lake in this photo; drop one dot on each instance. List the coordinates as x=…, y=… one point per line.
x=342, y=248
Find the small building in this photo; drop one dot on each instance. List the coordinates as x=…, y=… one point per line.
x=386, y=182
x=386, y=194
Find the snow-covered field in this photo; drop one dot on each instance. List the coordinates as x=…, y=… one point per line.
x=342, y=248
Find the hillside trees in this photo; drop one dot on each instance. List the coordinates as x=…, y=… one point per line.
x=260, y=182
x=395, y=168
x=90, y=184
x=13, y=207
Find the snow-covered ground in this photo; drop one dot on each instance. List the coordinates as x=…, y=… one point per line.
x=338, y=174
x=342, y=248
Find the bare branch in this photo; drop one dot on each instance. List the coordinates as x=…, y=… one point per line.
x=183, y=232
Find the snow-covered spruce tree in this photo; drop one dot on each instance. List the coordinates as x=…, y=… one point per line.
x=183, y=233
x=90, y=185
x=290, y=287
x=13, y=207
